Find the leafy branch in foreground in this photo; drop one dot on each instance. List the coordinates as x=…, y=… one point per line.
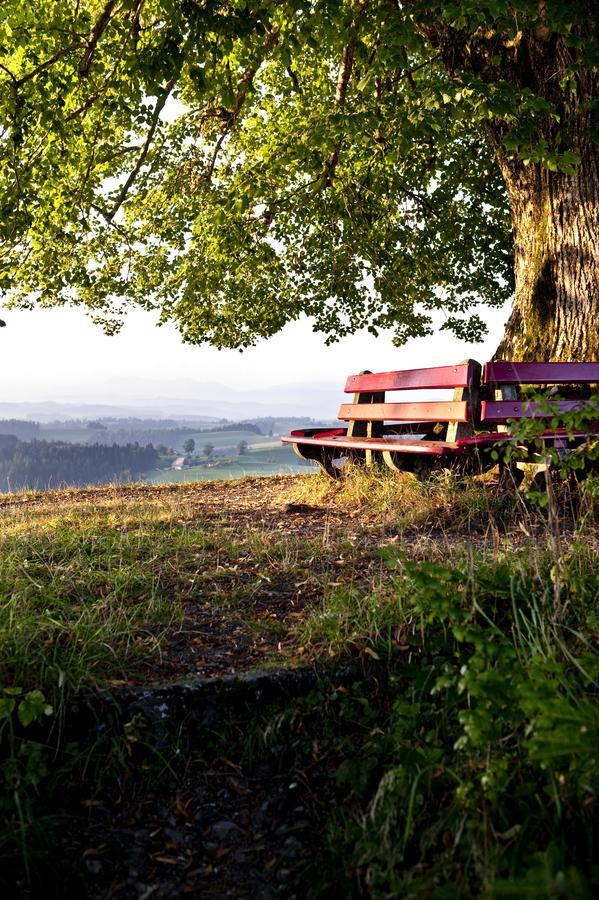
x=575, y=453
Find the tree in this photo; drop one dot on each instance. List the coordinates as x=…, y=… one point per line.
x=208, y=450
x=242, y=448
x=235, y=165
x=189, y=446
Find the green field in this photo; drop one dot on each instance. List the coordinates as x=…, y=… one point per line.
x=81, y=435
x=272, y=461
x=223, y=438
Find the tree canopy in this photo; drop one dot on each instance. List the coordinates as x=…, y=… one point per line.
x=237, y=164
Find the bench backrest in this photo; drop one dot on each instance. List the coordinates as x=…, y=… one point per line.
x=505, y=378
x=370, y=410
x=369, y=404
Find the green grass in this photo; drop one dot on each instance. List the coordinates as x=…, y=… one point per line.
x=222, y=438
x=472, y=770
x=91, y=590
x=79, y=591
x=271, y=461
x=480, y=774
x=477, y=771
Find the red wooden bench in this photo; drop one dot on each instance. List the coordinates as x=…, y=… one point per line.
x=418, y=436
x=502, y=402
x=407, y=435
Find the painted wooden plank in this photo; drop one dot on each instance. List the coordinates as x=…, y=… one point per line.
x=540, y=373
x=434, y=448
x=460, y=375
x=501, y=410
x=310, y=432
x=436, y=411
x=490, y=438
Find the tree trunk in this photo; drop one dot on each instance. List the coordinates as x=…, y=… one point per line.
x=555, y=216
x=555, y=220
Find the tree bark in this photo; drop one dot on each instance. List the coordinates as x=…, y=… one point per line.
x=555, y=220
x=555, y=216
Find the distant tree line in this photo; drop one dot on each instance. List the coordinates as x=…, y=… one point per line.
x=251, y=427
x=20, y=428
x=49, y=464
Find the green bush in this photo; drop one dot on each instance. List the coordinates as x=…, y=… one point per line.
x=482, y=779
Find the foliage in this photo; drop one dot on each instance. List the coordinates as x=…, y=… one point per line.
x=482, y=777
x=235, y=165
x=23, y=429
x=580, y=454
x=24, y=769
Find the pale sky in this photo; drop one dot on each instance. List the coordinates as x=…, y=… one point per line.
x=59, y=354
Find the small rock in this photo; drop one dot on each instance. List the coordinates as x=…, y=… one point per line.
x=173, y=835
x=93, y=866
x=226, y=831
x=301, y=508
x=291, y=845
x=205, y=816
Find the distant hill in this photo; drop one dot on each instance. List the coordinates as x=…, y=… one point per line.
x=201, y=402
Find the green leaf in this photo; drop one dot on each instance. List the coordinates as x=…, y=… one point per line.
x=6, y=707
x=33, y=706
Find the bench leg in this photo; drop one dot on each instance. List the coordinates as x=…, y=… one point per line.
x=510, y=475
x=320, y=455
x=419, y=466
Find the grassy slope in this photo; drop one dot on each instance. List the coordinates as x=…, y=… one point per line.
x=98, y=584
x=474, y=771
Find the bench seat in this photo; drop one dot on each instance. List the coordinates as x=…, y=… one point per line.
x=394, y=443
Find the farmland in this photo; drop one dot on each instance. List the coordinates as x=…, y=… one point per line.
x=276, y=460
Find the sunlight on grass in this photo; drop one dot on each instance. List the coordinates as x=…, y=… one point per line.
x=459, y=504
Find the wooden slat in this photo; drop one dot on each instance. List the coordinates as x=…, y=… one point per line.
x=461, y=375
x=437, y=411
x=540, y=373
x=311, y=432
x=489, y=438
x=501, y=410
x=429, y=448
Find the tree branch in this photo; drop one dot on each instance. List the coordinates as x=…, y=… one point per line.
x=144, y=151
x=101, y=90
x=49, y=62
x=97, y=32
x=345, y=69
x=244, y=86
x=347, y=56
